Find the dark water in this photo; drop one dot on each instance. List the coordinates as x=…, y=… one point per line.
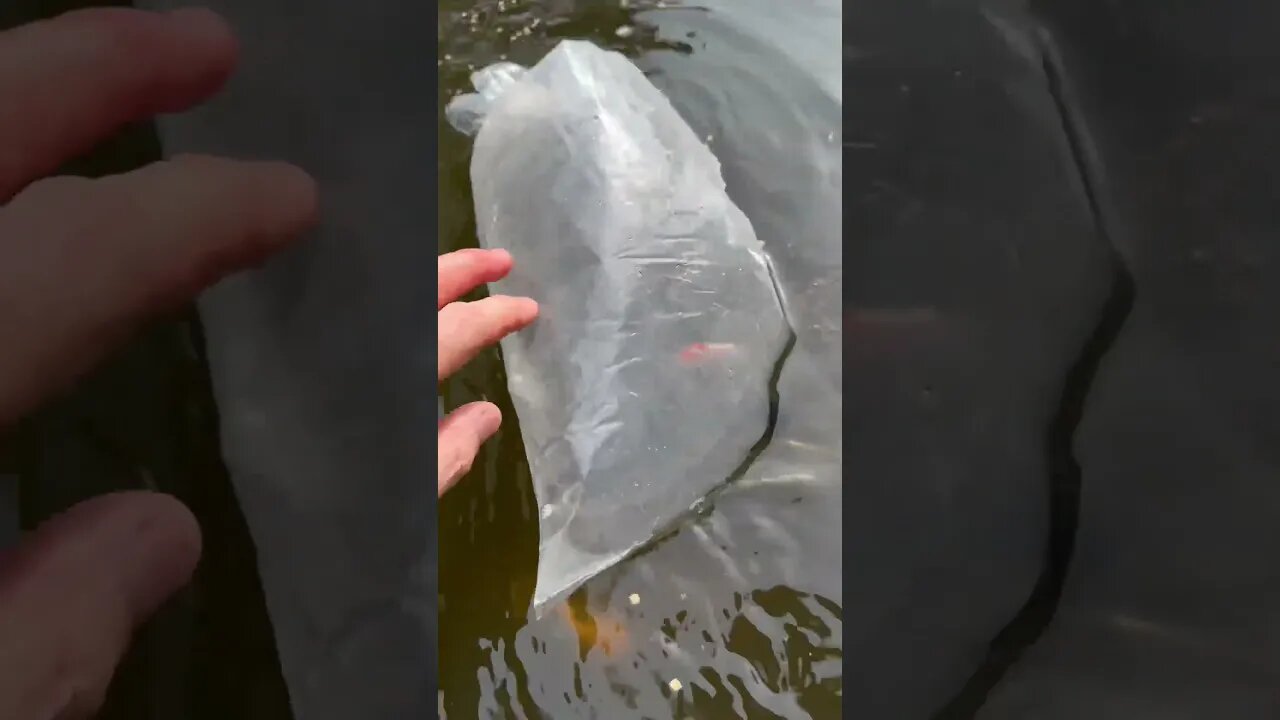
x=709, y=623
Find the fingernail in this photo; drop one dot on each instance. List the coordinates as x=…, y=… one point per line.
x=502, y=255
x=488, y=419
x=204, y=34
x=529, y=308
x=485, y=417
x=202, y=22
x=295, y=199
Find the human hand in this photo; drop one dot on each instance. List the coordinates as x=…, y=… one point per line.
x=83, y=263
x=464, y=330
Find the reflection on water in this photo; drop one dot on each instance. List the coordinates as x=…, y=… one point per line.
x=736, y=615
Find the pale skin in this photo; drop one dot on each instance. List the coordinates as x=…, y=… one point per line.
x=83, y=263
x=466, y=329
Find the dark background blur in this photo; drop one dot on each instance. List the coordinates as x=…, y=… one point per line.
x=1168, y=604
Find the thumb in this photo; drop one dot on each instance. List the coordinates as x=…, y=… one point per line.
x=73, y=593
x=460, y=437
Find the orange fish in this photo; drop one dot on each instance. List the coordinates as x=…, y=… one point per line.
x=602, y=631
x=699, y=353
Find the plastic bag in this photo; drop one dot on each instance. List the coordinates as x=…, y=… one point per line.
x=647, y=380
x=778, y=134
x=318, y=359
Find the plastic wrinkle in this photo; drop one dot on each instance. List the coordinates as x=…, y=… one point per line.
x=618, y=217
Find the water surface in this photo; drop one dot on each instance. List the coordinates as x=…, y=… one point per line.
x=738, y=614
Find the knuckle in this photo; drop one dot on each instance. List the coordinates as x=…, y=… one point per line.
x=59, y=188
x=489, y=309
x=458, y=464
x=463, y=465
x=41, y=207
x=502, y=314
x=450, y=319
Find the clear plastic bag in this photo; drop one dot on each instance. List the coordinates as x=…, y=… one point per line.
x=777, y=131
x=647, y=381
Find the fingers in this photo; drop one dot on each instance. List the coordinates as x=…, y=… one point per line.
x=462, y=271
x=460, y=437
x=464, y=330
x=467, y=328
x=73, y=593
x=69, y=82
x=82, y=262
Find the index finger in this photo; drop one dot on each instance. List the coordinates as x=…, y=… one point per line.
x=82, y=262
x=462, y=271
x=69, y=82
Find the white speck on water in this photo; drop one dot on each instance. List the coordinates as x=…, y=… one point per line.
x=625, y=31
x=547, y=510
x=675, y=685
x=634, y=598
